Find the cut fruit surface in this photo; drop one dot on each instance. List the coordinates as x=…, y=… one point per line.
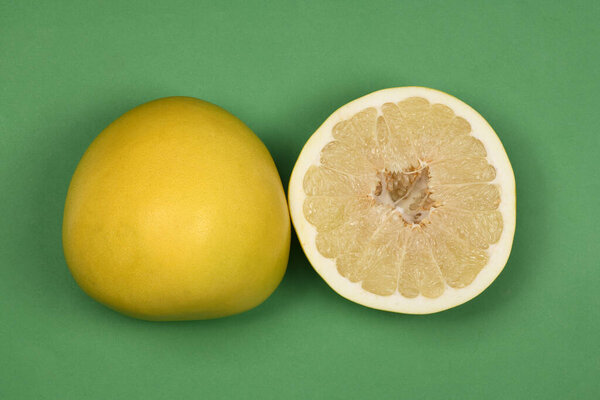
x=404, y=200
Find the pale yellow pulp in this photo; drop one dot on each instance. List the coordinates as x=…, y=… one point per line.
x=403, y=201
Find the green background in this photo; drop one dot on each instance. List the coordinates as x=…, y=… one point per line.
x=67, y=69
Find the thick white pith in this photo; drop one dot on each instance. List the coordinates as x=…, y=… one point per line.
x=326, y=267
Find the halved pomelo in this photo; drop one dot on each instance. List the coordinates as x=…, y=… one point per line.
x=404, y=200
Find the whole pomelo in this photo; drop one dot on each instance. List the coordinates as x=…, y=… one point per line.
x=176, y=211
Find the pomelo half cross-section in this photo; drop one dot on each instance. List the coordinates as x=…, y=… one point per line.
x=176, y=212
x=404, y=200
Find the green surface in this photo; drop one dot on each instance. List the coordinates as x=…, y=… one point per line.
x=531, y=68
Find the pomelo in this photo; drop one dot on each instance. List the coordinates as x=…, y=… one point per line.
x=175, y=212
x=404, y=200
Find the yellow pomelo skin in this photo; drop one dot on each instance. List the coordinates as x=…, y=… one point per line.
x=176, y=212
